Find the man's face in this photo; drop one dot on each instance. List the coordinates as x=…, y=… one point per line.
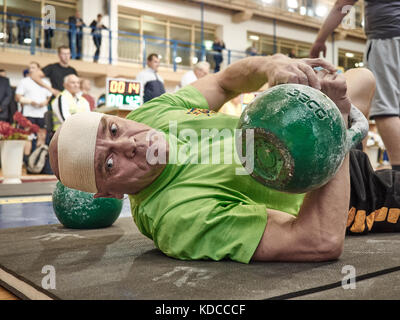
x=64, y=56
x=154, y=63
x=121, y=164
x=33, y=68
x=73, y=85
x=85, y=85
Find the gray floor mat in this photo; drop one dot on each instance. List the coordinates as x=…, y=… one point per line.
x=120, y=263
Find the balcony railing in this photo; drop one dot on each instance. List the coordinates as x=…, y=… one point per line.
x=28, y=33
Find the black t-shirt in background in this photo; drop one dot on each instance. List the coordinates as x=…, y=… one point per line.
x=56, y=73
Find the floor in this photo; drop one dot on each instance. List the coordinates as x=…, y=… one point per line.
x=35, y=209
x=31, y=210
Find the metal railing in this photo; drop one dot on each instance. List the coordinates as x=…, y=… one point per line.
x=28, y=33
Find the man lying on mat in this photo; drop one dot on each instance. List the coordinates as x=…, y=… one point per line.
x=202, y=209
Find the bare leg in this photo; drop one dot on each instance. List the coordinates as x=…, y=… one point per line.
x=389, y=130
x=361, y=90
x=41, y=137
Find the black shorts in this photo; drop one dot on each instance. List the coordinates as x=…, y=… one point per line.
x=375, y=197
x=38, y=121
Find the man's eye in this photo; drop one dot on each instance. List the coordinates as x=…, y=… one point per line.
x=113, y=129
x=109, y=163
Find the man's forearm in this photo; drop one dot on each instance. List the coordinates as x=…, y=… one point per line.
x=38, y=78
x=247, y=75
x=250, y=74
x=323, y=216
x=333, y=20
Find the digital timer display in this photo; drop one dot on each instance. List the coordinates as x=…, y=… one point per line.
x=124, y=94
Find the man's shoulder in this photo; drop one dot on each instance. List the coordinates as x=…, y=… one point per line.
x=4, y=80
x=51, y=65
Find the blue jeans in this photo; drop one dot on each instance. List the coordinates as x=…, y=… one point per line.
x=97, y=43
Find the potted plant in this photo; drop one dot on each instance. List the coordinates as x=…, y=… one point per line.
x=12, y=141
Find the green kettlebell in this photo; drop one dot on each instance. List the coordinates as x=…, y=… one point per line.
x=300, y=137
x=79, y=210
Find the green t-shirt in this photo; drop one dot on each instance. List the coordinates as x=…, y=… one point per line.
x=199, y=210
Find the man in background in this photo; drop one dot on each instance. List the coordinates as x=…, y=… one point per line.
x=152, y=83
x=76, y=25
x=56, y=72
x=5, y=97
x=200, y=70
x=382, y=57
x=69, y=101
x=97, y=27
x=34, y=100
x=85, y=88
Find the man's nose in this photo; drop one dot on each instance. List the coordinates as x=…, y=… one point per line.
x=126, y=145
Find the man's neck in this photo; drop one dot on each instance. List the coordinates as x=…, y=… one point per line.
x=74, y=95
x=64, y=65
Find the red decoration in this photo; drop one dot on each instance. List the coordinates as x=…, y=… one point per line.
x=19, y=130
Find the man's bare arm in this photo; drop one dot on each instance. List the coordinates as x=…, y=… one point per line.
x=38, y=76
x=250, y=74
x=333, y=20
x=318, y=232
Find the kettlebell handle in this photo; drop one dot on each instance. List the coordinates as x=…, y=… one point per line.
x=358, y=130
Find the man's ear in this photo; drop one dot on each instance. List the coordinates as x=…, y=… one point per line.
x=108, y=195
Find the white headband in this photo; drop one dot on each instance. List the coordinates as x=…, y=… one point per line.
x=76, y=149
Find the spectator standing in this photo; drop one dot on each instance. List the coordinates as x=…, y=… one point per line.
x=10, y=27
x=382, y=58
x=217, y=47
x=97, y=26
x=48, y=35
x=3, y=73
x=76, y=24
x=24, y=29
x=152, y=82
x=69, y=101
x=251, y=51
x=85, y=88
x=5, y=98
x=56, y=72
x=34, y=100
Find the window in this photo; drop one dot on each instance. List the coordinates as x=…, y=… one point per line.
x=158, y=31
x=264, y=44
x=350, y=59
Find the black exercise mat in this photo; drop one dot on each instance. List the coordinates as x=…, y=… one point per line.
x=120, y=263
